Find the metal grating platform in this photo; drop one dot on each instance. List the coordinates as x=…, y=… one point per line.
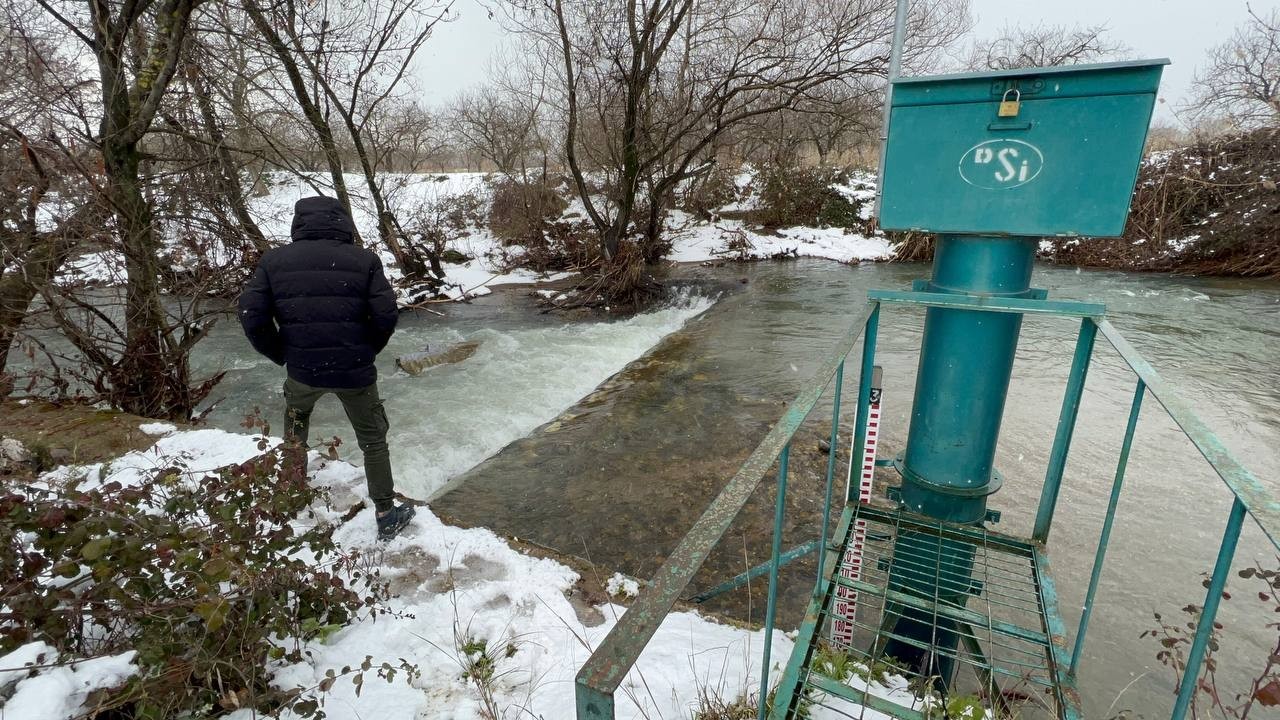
x=1010, y=656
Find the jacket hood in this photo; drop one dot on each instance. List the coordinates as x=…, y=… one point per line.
x=321, y=218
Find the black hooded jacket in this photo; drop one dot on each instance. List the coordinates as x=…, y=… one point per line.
x=320, y=305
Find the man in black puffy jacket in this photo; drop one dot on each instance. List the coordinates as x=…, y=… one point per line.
x=323, y=308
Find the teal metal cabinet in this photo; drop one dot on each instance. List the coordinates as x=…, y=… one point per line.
x=1061, y=157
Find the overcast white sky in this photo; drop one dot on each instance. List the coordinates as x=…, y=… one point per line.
x=1181, y=30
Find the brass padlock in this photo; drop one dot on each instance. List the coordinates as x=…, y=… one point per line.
x=1009, y=108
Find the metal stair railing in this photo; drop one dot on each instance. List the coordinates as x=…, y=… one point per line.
x=600, y=677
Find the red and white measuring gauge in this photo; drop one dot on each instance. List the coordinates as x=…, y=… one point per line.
x=851, y=564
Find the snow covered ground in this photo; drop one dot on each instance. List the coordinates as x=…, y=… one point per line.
x=452, y=586
x=694, y=240
x=406, y=191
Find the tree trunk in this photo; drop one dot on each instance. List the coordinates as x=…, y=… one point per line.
x=229, y=173
x=134, y=386
x=388, y=228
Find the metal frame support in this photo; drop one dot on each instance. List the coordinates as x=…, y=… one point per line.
x=614, y=657
x=779, y=516
x=1066, y=428
x=1204, y=628
x=1107, y=524
x=831, y=470
x=864, y=389
x=741, y=579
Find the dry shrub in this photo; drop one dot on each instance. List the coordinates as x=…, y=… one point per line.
x=705, y=195
x=566, y=246
x=622, y=283
x=209, y=579
x=1209, y=208
x=432, y=225
x=912, y=246
x=805, y=196
x=521, y=212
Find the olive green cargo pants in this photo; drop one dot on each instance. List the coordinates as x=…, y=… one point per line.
x=369, y=420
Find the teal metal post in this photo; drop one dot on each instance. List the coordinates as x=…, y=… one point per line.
x=779, y=514
x=1204, y=628
x=831, y=470
x=864, y=391
x=1105, y=539
x=966, y=359
x=1066, y=428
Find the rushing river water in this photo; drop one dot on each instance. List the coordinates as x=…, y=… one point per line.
x=616, y=474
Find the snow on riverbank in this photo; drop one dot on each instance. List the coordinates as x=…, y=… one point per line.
x=405, y=192
x=453, y=587
x=694, y=241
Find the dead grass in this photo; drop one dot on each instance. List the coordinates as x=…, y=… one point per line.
x=85, y=434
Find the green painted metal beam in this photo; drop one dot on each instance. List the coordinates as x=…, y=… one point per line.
x=871, y=335
x=951, y=612
x=992, y=539
x=1100, y=555
x=771, y=609
x=1071, y=398
x=984, y=672
x=593, y=704
x=810, y=626
x=1067, y=308
x=1259, y=502
x=741, y=579
x=1189, y=685
x=866, y=699
x=605, y=670
x=1021, y=675
x=832, y=446
x=1060, y=662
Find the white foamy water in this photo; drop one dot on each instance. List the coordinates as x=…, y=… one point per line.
x=452, y=417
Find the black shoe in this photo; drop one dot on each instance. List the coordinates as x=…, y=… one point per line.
x=395, y=520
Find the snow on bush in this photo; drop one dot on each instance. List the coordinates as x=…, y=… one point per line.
x=622, y=586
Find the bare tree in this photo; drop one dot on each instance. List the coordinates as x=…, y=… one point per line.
x=406, y=136
x=304, y=94
x=1241, y=80
x=503, y=120
x=493, y=126
x=352, y=58
x=45, y=206
x=1044, y=46
x=830, y=120
x=648, y=87
x=137, y=48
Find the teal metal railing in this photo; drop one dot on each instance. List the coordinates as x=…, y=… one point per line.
x=605, y=670
x=609, y=664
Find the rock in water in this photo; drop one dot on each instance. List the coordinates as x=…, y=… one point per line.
x=415, y=363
